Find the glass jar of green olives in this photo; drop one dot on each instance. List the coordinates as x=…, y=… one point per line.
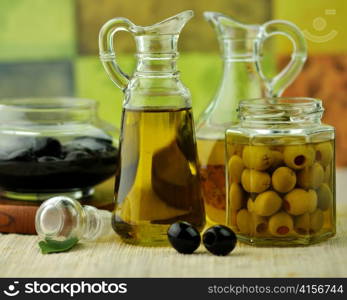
x=281, y=173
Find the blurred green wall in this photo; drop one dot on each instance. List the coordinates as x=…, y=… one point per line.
x=49, y=48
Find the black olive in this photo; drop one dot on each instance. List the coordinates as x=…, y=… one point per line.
x=91, y=143
x=77, y=155
x=16, y=148
x=219, y=240
x=184, y=237
x=21, y=155
x=47, y=146
x=44, y=159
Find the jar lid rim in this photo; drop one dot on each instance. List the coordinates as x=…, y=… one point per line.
x=281, y=101
x=46, y=103
x=281, y=110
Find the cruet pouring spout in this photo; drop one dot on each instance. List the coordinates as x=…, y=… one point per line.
x=158, y=39
x=170, y=26
x=240, y=41
x=228, y=27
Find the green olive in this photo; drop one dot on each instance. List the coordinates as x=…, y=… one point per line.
x=280, y=224
x=299, y=201
x=244, y=221
x=312, y=200
x=257, y=157
x=302, y=224
x=298, y=156
x=309, y=223
x=234, y=149
x=267, y=203
x=232, y=214
x=316, y=221
x=324, y=153
x=255, y=181
x=235, y=168
x=283, y=179
x=277, y=159
x=311, y=177
x=327, y=174
x=259, y=224
x=250, y=205
x=236, y=196
x=325, y=197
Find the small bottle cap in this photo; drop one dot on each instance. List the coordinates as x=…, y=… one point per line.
x=51, y=219
x=59, y=218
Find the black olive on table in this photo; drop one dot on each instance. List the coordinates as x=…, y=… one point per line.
x=219, y=240
x=184, y=237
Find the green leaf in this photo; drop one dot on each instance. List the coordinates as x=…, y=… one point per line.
x=52, y=246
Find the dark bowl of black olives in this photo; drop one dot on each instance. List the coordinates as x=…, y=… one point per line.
x=53, y=146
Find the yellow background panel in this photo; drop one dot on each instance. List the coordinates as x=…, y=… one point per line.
x=323, y=22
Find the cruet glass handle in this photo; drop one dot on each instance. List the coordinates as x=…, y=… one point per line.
x=107, y=53
x=276, y=85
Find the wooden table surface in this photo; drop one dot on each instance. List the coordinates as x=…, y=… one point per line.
x=20, y=257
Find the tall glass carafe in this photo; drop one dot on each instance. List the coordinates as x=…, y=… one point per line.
x=158, y=182
x=243, y=78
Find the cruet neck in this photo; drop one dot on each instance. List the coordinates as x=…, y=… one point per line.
x=156, y=64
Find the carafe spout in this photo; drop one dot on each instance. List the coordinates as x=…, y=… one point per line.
x=161, y=38
x=156, y=45
x=229, y=28
x=170, y=26
x=241, y=42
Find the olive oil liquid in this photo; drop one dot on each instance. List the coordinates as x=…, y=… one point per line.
x=212, y=173
x=158, y=182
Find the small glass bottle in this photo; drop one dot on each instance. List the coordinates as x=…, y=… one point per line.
x=62, y=218
x=281, y=173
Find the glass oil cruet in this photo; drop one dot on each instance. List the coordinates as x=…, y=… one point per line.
x=243, y=78
x=158, y=182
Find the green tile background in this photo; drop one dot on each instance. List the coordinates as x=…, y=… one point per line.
x=37, y=29
x=200, y=72
x=304, y=17
x=66, y=30
x=36, y=79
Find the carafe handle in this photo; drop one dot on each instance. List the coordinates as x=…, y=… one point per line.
x=276, y=85
x=107, y=53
